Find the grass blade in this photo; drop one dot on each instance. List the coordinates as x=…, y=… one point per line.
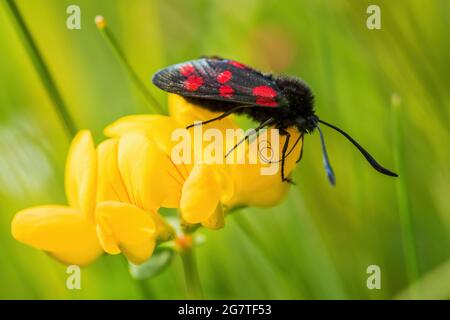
x=41, y=66
x=403, y=200
x=117, y=49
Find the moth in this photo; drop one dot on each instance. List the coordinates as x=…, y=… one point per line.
x=230, y=87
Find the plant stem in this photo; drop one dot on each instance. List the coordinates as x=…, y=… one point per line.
x=403, y=201
x=192, y=279
x=117, y=49
x=41, y=66
x=145, y=289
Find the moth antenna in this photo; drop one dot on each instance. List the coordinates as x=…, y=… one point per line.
x=326, y=161
x=366, y=154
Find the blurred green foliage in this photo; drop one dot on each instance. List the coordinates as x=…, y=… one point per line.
x=319, y=241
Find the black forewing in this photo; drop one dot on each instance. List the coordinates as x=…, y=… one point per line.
x=177, y=79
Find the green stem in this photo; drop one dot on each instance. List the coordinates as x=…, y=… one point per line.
x=145, y=289
x=403, y=201
x=117, y=49
x=41, y=66
x=193, y=286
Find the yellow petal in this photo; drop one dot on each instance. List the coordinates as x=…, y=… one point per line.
x=144, y=170
x=255, y=189
x=81, y=174
x=224, y=176
x=110, y=184
x=201, y=194
x=139, y=253
x=187, y=113
x=163, y=230
x=159, y=128
x=172, y=199
x=216, y=220
x=125, y=228
x=107, y=240
x=62, y=231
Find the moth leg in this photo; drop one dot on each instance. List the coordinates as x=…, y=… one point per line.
x=283, y=155
x=290, y=151
x=301, y=151
x=247, y=136
x=223, y=115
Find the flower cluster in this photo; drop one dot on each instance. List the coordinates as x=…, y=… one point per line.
x=115, y=190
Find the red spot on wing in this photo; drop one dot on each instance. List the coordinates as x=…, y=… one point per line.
x=187, y=69
x=264, y=91
x=237, y=64
x=226, y=91
x=265, y=96
x=224, y=77
x=192, y=83
x=265, y=101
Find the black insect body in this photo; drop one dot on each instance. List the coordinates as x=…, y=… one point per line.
x=227, y=86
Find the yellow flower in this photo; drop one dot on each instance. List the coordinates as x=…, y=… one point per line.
x=200, y=190
x=126, y=228
x=254, y=189
x=67, y=232
x=202, y=196
x=114, y=192
x=132, y=185
x=197, y=189
x=251, y=188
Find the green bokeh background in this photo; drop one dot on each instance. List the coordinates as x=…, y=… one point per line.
x=319, y=242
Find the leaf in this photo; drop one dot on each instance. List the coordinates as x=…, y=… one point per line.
x=158, y=262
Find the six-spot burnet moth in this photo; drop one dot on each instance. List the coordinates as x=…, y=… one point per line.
x=227, y=86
